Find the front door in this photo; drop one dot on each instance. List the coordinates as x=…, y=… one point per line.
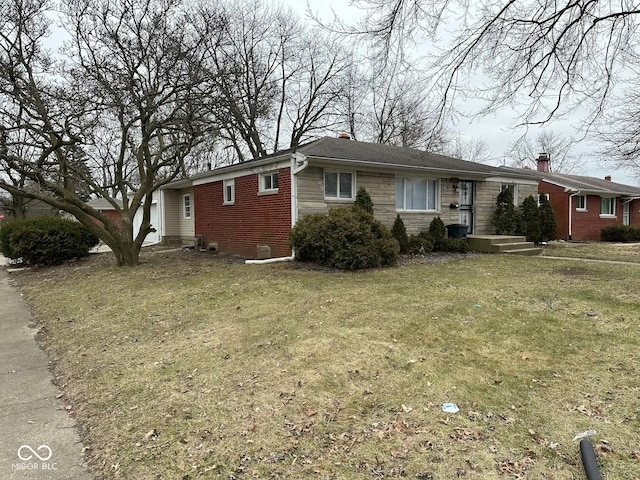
x=465, y=189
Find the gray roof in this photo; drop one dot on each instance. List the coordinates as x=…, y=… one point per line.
x=389, y=155
x=339, y=150
x=580, y=183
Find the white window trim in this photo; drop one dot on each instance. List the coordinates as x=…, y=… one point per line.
x=229, y=183
x=545, y=195
x=578, y=209
x=609, y=215
x=184, y=206
x=338, y=198
x=437, y=206
x=261, y=181
x=516, y=191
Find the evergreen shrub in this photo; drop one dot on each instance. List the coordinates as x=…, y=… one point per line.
x=399, y=232
x=45, y=240
x=420, y=244
x=348, y=238
x=620, y=233
x=363, y=200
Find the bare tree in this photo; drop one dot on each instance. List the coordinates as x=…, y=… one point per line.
x=548, y=58
x=279, y=81
x=389, y=106
x=129, y=94
x=524, y=152
x=468, y=148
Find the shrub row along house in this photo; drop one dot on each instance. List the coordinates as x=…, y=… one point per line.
x=249, y=208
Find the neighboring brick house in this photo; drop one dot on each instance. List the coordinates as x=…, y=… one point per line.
x=584, y=205
x=249, y=208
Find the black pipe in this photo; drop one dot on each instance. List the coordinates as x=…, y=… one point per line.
x=589, y=460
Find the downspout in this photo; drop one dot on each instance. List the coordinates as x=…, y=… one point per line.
x=574, y=194
x=298, y=163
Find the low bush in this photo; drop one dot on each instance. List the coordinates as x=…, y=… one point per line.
x=420, y=244
x=620, y=233
x=453, y=245
x=347, y=238
x=45, y=240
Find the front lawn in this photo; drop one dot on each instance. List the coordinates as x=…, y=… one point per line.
x=196, y=366
x=619, y=252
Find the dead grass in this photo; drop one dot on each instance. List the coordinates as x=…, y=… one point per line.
x=621, y=252
x=195, y=366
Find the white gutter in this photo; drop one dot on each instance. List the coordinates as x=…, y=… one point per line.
x=298, y=163
x=270, y=260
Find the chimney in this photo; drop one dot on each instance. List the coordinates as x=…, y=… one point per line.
x=543, y=163
x=608, y=178
x=345, y=136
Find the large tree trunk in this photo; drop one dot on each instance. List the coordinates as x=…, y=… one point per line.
x=126, y=249
x=127, y=255
x=18, y=206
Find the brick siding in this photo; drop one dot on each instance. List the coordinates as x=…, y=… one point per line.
x=254, y=219
x=586, y=225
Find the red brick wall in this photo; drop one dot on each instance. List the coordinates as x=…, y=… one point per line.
x=634, y=212
x=559, y=201
x=253, y=220
x=586, y=225
x=111, y=215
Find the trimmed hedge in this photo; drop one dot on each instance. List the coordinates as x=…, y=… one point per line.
x=620, y=233
x=347, y=238
x=45, y=240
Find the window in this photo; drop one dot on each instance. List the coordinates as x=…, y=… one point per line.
x=513, y=188
x=416, y=194
x=541, y=196
x=581, y=202
x=229, y=187
x=186, y=204
x=607, y=206
x=269, y=182
x=338, y=185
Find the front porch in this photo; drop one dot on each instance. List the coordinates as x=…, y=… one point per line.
x=512, y=244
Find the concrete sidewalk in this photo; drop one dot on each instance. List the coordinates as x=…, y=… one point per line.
x=38, y=439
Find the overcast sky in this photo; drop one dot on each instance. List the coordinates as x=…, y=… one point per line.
x=498, y=129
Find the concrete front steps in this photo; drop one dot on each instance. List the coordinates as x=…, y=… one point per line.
x=512, y=244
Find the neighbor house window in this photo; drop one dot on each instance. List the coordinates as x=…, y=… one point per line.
x=229, y=188
x=338, y=185
x=541, y=196
x=513, y=188
x=186, y=204
x=607, y=206
x=416, y=194
x=581, y=202
x=269, y=182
